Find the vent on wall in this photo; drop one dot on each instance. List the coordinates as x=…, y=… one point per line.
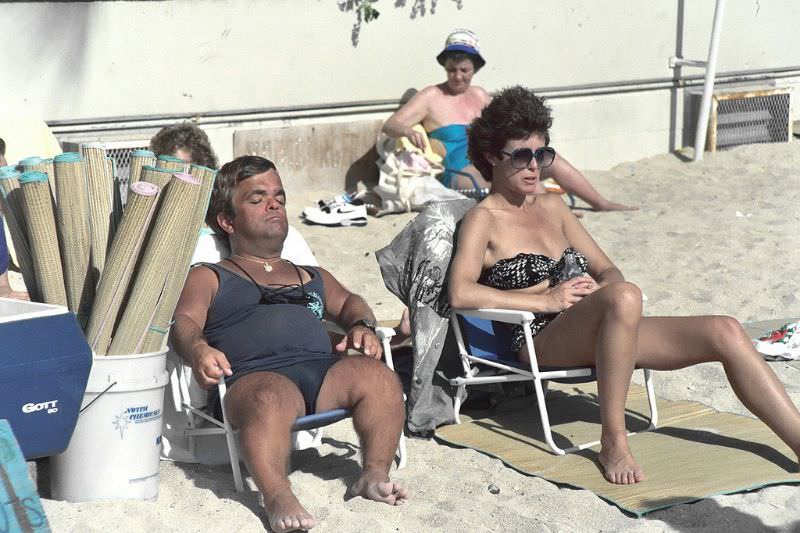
x=742, y=115
x=120, y=151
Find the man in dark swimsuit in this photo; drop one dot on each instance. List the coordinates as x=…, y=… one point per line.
x=254, y=320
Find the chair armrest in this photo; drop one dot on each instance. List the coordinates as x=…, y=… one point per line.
x=384, y=333
x=509, y=316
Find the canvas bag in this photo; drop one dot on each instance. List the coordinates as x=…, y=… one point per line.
x=407, y=177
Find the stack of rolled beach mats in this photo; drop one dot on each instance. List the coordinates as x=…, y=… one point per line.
x=120, y=269
x=11, y=197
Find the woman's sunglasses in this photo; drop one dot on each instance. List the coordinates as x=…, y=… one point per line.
x=522, y=157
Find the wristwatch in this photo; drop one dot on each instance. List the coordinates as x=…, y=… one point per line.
x=365, y=322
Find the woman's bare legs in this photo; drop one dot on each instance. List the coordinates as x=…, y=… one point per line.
x=574, y=182
x=598, y=331
x=602, y=330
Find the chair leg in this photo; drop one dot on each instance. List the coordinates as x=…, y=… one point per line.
x=651, y=398
x=545, y=419
x=233, y=453
x=457, y=403
x=402, y=455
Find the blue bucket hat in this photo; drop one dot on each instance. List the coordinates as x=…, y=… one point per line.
x=462, y=41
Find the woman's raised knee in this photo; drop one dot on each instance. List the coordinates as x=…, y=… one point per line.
x=624, y=299
x=729, y=337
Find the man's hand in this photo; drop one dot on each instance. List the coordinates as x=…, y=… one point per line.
x=362, y=339
x=208, y=367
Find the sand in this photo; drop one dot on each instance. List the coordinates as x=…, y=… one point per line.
x=716, y=236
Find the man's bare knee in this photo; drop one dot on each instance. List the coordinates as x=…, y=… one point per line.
x=355, y=378
x=263, y=396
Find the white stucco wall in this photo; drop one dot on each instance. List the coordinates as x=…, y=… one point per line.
x=71, y=61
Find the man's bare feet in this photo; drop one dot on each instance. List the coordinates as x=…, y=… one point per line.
x=285, y=513
x=618, y=463
x=614, y=206
x=376, y=486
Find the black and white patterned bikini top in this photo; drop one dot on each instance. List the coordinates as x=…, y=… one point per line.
x=526, y=270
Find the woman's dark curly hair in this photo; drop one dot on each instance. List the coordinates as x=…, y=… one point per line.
x=186, y=137
x=228, y=177
x=515, y=113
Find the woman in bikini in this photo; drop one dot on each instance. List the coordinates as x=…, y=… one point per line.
x=520, y=249
x=445, y=109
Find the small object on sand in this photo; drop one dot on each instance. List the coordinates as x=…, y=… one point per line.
x=494, y=489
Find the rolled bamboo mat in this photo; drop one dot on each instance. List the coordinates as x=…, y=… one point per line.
x=156, y=336
x=174, y=213
x=72, y=223
x=170, y=162
x=116, y=198
x=157, y=176
x=100, y=184
x=38, y=208
x=122, y=258
x=38, y=164
x=11, y=197
x=139, y=159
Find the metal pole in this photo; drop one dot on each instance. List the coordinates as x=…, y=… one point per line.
x=708, y=85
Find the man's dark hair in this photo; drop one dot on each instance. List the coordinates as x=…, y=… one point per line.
x=228, y=177
x=515, y=113
x=458, y=55
x=2, y=147
x=186, y=137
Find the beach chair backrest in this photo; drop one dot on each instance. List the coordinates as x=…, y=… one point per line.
x=487, y=339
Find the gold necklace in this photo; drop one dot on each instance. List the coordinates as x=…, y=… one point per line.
x=266, y=264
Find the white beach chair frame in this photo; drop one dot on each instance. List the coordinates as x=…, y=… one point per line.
x=476, y=372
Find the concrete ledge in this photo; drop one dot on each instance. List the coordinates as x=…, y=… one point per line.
x=334, y=156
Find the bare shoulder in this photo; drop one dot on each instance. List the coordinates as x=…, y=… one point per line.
x=202, y=275
x=428, y=93
x=479, y=220
x=480, y=93
x=553, y=203
x=328, y=279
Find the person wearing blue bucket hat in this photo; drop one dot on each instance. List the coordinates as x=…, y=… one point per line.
x=445, y=111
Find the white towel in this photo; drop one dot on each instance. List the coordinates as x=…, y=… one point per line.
x=782, y=344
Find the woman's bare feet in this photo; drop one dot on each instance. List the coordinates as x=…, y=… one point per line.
x=618, y=463
x=285, y=513
x=376, y=486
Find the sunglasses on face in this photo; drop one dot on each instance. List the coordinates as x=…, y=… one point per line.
x=523, y=157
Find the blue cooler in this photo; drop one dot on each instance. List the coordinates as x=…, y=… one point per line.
x=44, y=364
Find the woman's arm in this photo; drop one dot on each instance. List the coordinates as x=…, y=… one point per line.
x=601, y=268
x=574, y=182
x=401, y=123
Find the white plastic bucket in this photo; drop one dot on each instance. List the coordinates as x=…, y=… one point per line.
x=114, y=451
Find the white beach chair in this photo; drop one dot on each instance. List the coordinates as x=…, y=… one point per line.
x=486, y=358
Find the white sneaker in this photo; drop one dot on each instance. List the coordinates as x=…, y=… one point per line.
x=337, y=214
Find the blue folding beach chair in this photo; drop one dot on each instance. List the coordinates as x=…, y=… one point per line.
x=484, y=345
